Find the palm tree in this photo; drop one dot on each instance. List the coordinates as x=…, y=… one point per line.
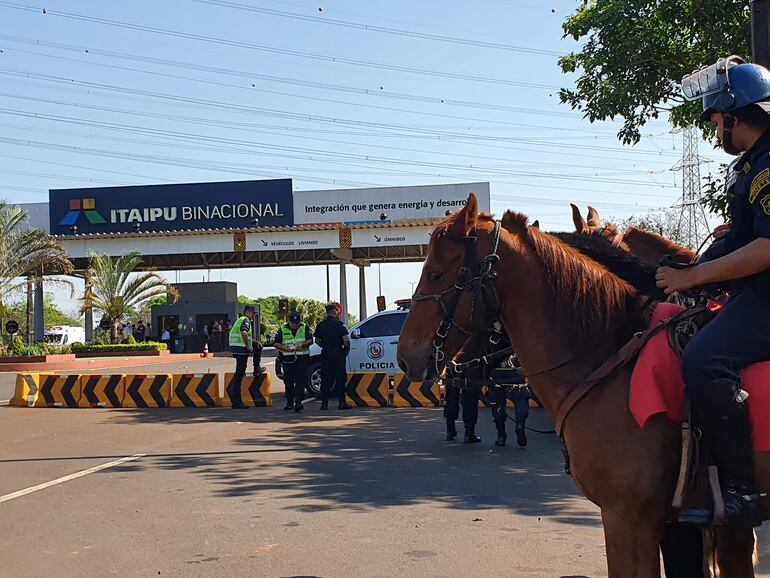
x=116, y=290
x=26, y=252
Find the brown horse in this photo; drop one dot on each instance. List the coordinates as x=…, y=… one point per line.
x=567, y=314
x=643, y=244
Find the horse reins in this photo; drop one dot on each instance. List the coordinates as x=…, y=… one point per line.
x=466, y=280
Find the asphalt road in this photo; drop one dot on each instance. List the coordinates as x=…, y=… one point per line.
x=263, y=492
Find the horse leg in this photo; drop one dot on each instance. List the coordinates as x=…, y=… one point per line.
x=682, y=549
x=632, y=546
x=734, y=552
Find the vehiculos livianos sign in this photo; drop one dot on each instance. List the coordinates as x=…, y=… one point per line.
x=194, y=206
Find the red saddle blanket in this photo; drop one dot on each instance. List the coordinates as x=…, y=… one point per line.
x=657, y=385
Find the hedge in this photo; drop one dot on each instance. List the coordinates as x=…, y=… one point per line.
x=144, y=346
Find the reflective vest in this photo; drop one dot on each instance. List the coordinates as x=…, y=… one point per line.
x=287, y=338
x=236, y=340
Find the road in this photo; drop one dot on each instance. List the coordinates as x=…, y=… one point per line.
x=263, y=492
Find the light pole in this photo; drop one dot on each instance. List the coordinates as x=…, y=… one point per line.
x=760, y=31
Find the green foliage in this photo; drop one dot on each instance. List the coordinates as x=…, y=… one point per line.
x=94, y=348
x=52, y=314
x=26, y=251
x=129, y=340
x=99, y=341
x=117, y=290
x=713, y=194
x=16, y=346
x=312, y=311
x=634, y=53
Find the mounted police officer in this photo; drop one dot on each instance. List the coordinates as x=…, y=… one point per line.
x=293, y=341
x=241, y=339
x=736, y=98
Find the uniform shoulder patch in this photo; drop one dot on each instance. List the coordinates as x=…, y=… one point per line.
x=759, y=183
x=765, y=204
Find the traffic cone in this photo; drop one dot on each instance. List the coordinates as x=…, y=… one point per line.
x=205, y=350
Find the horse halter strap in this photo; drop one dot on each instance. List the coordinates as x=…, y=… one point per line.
x=616, y=239
x=466, y=279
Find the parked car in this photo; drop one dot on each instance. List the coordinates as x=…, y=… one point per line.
x=373, y=343
x=64, y=335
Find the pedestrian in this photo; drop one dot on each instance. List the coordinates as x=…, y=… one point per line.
x=166, y=338
x=216, y=331
x=240, y=340
x=736, y=99
x=469, y=399
x=293, y=342
x=140, y=332
x=332, y=335
x=127, y=331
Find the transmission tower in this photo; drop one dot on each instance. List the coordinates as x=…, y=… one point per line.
x=693, y=226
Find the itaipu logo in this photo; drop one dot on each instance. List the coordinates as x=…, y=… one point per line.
x=83, y=206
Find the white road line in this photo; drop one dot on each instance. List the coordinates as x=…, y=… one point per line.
x=5, y=401
x=74, y=476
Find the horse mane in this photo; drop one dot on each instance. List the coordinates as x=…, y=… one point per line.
x=671, y=248
x=637, y=272
x=587, y=295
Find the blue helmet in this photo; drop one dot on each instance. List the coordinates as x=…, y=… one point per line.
x=728, y=85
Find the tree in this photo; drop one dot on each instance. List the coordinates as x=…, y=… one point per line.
x=634, y=54
x=53, y=315
x=116, y=290
x=25, y=252
x=663, y=222
x=312, y=311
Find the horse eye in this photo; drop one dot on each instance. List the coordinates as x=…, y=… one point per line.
x=435, y=276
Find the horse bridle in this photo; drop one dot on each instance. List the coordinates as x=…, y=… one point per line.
x=466, y=280
x=615, y=241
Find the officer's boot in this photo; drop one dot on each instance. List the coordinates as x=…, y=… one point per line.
x=289, y=404
x=502, y=436
x=324, y=404
x=470, y=434
x=521, y=436
x=726, y=428
x=451, y=431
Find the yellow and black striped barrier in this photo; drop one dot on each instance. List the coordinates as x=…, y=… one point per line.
x=255, y=391
x=27, y=389
x=147, y=390
x=103, y=390
x=368, y=389
x=59, y=391
x=195, y=390
x=415, y=393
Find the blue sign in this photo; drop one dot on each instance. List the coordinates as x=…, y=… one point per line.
x=194, y=206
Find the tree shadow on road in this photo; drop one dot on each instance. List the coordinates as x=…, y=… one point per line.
x=371, y=458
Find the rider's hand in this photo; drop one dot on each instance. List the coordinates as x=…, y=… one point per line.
x=673, y=280
x=720, y=231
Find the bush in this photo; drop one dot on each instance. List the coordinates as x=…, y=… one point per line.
x=97, y=341
x=130, y=340
x=16, y=346
x=118, y=347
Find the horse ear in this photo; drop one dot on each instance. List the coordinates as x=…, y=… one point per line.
x=468, y=217
x=580, y=225
x=514, y=222
x=536, y=224
x=593, y=217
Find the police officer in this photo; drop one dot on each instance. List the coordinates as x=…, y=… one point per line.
x=241, y=339
x=332, y=335
x=736, y=98
x=293, y=341
x=498, y=398
x=469, y=399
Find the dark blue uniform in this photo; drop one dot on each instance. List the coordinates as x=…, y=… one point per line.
x=329, y=334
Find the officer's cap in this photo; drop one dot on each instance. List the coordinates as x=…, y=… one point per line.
x=247, y=308
x=294, y=317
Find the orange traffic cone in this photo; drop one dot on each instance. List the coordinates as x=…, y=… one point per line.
x=205, y=350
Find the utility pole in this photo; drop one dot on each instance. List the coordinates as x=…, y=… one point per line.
x=693, y=225
x=760, y=31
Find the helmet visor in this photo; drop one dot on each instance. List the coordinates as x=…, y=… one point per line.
x=709, y=79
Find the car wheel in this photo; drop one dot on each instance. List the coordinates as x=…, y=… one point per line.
x=314, y=378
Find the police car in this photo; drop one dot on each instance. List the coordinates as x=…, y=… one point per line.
x=373, y=344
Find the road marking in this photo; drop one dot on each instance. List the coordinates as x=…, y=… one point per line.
x=5, y=401
x=74, y=476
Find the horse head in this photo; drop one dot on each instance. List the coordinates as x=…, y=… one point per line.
x=592, y=226
x=453, y=299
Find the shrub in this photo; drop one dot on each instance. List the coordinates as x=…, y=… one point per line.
x=97, y=341
x=16, y=346
x=130, y=340
x=118, y=347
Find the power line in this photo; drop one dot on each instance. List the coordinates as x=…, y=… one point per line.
x=377, y=28
x=265, y=48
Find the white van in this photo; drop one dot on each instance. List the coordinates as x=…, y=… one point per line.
x=65, y=335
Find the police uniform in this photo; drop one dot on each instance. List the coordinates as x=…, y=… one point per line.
x=469, y=399
x=294, y=363
x=739, y=334
x=498, y=398
x=329, y=335
x=241, y=353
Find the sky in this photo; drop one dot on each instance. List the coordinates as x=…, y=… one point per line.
x=132, y=93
